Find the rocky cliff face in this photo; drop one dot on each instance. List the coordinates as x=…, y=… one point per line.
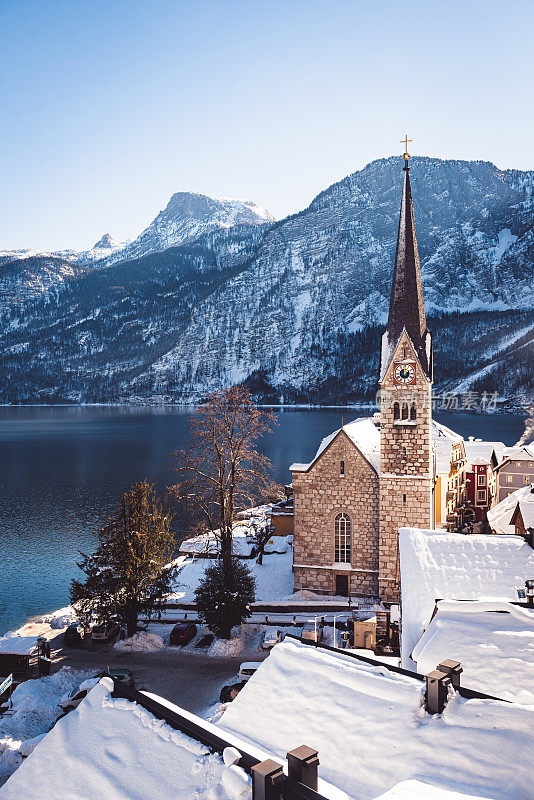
x=294, y=307
x=187, y=217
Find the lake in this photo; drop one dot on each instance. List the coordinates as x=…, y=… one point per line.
x=64, y=469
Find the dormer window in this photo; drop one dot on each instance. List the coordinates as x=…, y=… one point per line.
x=342, y=469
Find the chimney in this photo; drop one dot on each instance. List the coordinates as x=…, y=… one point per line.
x=437, y=689
x=302, y=765
x=268, y=781
x=452, y=669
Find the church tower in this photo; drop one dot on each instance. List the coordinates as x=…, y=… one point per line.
x=405, y=483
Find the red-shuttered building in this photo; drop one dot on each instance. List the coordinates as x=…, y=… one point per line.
x=469, y=494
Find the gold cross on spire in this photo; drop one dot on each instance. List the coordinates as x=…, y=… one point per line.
x=405, y=141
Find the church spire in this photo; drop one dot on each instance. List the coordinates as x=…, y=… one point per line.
x=406, y=307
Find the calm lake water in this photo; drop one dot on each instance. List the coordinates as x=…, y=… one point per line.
x=63, y=470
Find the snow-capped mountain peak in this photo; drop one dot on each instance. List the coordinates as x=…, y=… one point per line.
x=186, y=217
x=107, y=242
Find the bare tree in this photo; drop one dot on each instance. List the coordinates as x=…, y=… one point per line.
x=262, y=528
x=222, y=472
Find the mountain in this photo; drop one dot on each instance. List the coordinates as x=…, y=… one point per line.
x=107, y=242
x=28, y=277
x=294, y=308
x=187, y=217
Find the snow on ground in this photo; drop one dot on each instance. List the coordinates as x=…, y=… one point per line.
x=247, y=638
x=494, y=641
x=142, y=642
x=242, y=543
x=35, y=704
x=57, y=619
x=114, y=749
x=274, y=578
x=372, y=732
x=451, y=566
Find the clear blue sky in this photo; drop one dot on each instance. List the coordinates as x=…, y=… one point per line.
x=109, y=106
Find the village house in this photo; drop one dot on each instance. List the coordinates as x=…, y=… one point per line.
x=376, y=474
x=437, y=565
x=523, y=516
x=500, y=516
x=511, y=470
x=372, y=733
x=470, y=492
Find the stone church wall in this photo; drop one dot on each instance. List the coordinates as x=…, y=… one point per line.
x=319, y=495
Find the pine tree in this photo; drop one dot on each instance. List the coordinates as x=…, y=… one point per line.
x=223, y=597
x=127, y=574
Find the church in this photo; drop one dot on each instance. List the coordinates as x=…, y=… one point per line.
x=375, y=474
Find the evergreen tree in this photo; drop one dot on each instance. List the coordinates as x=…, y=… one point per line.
x=127, y=574
x=223, y=596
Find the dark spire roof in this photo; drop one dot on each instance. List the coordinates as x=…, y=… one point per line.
x=406, y=307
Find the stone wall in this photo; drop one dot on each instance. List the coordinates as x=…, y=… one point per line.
x=405, y=475
x=404, y=502
x=319, y=495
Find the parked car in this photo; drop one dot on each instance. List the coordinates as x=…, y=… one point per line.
x=312, y=631
x=182, y=633
x=105, y=632
x=72, y=699
x=271, y=636
x=229, y=693
x=119, y=673
x=247, y=670
x=74, y=635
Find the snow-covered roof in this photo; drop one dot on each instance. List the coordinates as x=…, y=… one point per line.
x=18, y=645
x=443, y=439
x=114, y=749
x=526, y=507
x=435, y=565
x=371, y=731
x=493, y=640
x=418, y=790
x=363, y=432
x=500, y=516
x=480, y=452
x=523, y=453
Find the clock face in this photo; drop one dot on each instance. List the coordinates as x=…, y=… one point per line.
x=404, y=373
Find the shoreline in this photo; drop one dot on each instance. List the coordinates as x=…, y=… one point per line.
x=516, y=410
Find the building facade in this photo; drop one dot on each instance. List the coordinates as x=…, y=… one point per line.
x=375, y=475
x=513, y=472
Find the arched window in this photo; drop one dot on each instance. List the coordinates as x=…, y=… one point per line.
x=396, y=411
x=413, y=412
x=405, y=411
x=342, y=469
x=342, y=538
